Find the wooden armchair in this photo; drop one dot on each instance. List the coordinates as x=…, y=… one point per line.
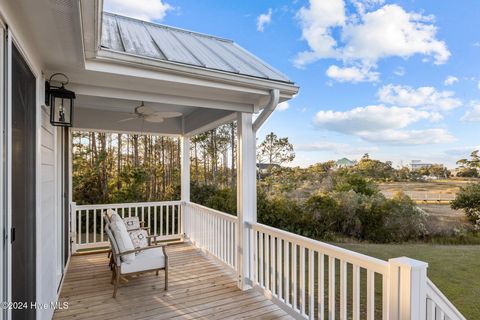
x=152, y=239
x=151, y=258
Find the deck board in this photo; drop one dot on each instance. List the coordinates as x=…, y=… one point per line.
x=199, y=288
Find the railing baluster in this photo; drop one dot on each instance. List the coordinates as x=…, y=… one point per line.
x=161, y=221
x=321, y=286
x=87, y=226
x=267, y=264
x=356, y=292
x=294, y=276
x=286, y=270
x=370, y=295
x=279, y=269
x=331, y=288
x=167, y=224
x=384, y=298
x=155, y=214
x=255, y=257
x=79, y=230
x=262, y=261
x=101, y=225
x=273, y=264
x=311, y=284
x=302, y=279
x=343, y=290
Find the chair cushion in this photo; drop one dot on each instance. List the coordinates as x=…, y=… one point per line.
x=132, y=223
x=146, y=260
x=123, y=240
x=139, y=238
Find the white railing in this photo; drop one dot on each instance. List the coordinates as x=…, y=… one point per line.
x=163, y=218
x=212, y=231
x=308, y=278
x=423, y=196
x=304, y=274
x=315, y=280
x=438, y=306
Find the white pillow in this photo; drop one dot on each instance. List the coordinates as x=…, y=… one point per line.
x=124, y=242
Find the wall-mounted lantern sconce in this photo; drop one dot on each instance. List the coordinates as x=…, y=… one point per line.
x=60, y=101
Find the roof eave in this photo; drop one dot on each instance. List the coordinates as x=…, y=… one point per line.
x=287, y=89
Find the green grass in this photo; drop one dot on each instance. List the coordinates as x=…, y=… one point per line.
x=455, y=270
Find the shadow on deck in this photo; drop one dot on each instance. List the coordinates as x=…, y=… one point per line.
x=199, y=288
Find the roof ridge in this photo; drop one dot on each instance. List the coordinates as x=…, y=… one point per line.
x=159, y=25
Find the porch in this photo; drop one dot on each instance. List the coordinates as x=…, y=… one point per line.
x=287, y=275
x=198, y=288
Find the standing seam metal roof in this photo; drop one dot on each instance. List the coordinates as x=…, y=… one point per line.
x=128, y=35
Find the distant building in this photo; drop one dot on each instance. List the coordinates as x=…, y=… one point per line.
x=418, y=164
x=266, y=167
x=344, y=163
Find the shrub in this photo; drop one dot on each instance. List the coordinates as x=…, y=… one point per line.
x=469, y=199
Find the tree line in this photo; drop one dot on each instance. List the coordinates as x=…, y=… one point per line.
x=119, y=167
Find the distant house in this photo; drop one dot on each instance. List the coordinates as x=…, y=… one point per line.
x=344, y=163
x=266, y=167
x=418, y=164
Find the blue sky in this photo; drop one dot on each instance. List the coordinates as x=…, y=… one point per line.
x=397, y=79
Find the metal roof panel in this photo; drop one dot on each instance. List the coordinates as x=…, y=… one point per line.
x=171, y=47
x=136, y=39
x=110, y=35
x=161, y=42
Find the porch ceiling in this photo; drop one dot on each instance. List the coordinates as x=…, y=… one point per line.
x=116, y=115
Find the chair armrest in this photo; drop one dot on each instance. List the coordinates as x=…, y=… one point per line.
x=143, y=249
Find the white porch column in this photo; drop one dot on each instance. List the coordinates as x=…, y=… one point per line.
x=407, y=289
x=185, y=182
x=246, y=196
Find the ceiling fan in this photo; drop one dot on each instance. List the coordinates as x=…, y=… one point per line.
x=150, y=115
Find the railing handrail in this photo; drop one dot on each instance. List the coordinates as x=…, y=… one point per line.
x=220, y=213
x=126, y=204
x=442, y=302
x=367, y=262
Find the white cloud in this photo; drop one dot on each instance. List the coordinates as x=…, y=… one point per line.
x=370, y=118
x=147, y=10
x=263, y=20
x=478, y=85
x=423, y=97
x=409, y=137
x=282, y=106
x=317, y=21
x=400, y=71
x=337, y=148
x=450, y=80
x=366, y=37
x=321, y=146
x=473, y=114
x=391, y=31
x=352, y=74
x=381, y=124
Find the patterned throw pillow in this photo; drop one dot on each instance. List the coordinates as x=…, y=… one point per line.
x=132, y=223
x=139, y=238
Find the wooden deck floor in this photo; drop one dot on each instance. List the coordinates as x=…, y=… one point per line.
x=198, y=289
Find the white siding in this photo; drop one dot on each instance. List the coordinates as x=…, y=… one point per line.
x=47, y=278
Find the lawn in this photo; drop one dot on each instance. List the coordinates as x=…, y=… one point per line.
x=453, y=269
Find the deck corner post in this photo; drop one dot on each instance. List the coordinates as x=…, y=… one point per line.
x=73, y=227
x=185, y=183
x=246, y=197
x=407, y=289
